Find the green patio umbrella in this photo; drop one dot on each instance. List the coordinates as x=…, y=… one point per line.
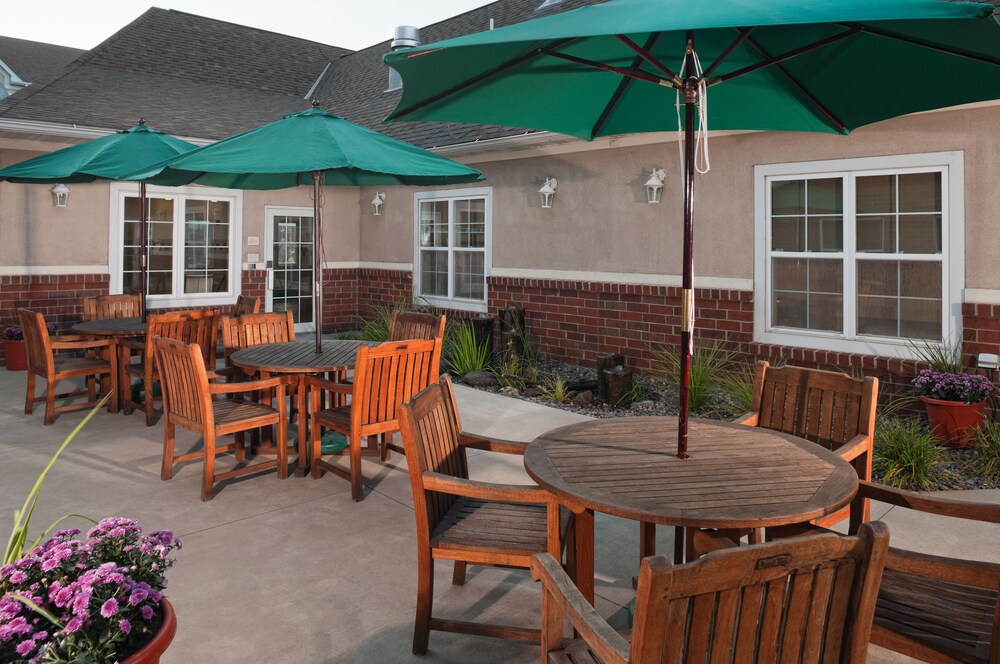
x=309, y=147
x=110, y=157
x=621, y=66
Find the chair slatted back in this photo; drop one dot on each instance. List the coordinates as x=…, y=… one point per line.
x=259, y=329
x=117, y=306
x=191, y=327
x=386, y=376
x=89, y=305
x=230, y=328
x=246, y=304
x=825, y=407
x=37, y=342
x=806, y=600
x=430, y=428
x=185, y=381
x=415, y=325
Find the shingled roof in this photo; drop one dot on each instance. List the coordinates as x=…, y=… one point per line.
x=36, y=62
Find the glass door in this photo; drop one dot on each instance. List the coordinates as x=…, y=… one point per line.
x=289, y=256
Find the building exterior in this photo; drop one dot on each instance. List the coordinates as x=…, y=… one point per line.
x=830, y=251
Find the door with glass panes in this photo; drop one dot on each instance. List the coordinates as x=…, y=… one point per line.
x=289, y=254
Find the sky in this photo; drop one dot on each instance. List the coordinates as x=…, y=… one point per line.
x=346, y=23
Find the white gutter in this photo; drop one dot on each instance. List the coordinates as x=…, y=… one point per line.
x=72, y=130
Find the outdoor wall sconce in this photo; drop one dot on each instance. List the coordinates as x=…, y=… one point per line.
x=654, y=185
x=60, y=195
x=548, y=192
x=377, y=203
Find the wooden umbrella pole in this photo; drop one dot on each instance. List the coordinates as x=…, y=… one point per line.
x=690, y=90
x=317, y=266
x=143, y=251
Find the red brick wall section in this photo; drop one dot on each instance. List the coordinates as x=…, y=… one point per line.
x=981, y=326
x=379, y=287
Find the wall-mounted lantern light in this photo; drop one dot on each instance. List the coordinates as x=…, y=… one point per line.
x=654, y=185
x=60, y=195
x=377, y=203
x=548, y=192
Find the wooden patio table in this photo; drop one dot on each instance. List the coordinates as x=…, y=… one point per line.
x=115, y=329
x=299, y=359
x=736, y=477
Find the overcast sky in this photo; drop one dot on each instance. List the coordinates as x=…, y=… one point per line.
x=348, y=23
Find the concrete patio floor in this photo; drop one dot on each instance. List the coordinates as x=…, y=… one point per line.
x=294, y=571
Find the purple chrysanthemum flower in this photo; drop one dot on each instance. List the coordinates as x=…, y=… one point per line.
x=125, y=626
x=109, y=608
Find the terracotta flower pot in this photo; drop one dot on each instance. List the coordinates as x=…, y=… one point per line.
x=16, y=355
x=953, y=423
x=150, y=653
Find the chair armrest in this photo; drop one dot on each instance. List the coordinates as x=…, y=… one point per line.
x=966, y=572
x=705, y=541
x=313, y=382
x=610, y=646
x=960, y=509
x=134, y=344
x=855, y=447
x=491, y=444
x=510, y=493
x=248, y=386
x=92, y=343
x=71, y=337
x=750, y=419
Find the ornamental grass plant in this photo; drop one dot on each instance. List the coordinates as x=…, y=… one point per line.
x=905, y=454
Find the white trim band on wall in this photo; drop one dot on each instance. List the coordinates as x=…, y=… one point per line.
x=721, y=283
x=367, y=265
x=981, y=296
x=40, y=270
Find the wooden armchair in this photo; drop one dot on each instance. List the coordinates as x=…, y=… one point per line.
x=933, y=608
x=804, y=600
x=245, y=304
x=43, y=362
x=384, y=377
x=197, y=327
x=465, y=520
x=414, y=325
x=188, y=403
x=239, y=332
x=117, y=306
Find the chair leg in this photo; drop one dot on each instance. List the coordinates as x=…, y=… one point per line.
x=240, y=451
x=148, y=402
x=458, y=576
x=91, y=388
x=167, y=469
x=317, y=452
x=385, y=453
x=283, y=446
x=208, y=476
x=425, y=598
x=29, y=399
x=50, y=401
x=357, y=491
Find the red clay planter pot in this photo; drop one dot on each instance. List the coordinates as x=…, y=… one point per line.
x=953, y=423
x=16, y=355
x=151, y=652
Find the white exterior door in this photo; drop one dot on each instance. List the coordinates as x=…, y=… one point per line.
x=288, y=251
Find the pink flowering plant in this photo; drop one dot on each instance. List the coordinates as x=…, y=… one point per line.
x=94, y=599
x=963, y=387
x=15, y=333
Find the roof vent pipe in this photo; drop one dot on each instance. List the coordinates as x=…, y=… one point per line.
x=407, y=36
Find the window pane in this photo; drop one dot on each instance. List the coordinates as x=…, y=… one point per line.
x=788, y=234
x=876, y=193
x=160, y=241
x=826, y=312
x=920, y=234
x=920, y=279
x=470, y=275
x=826, y=234
x=434, y=223
x=206, y=246
x=161, y=209
x=877, y=234
x=434, y=273
x=920, y=319
x=788, y=197
x=900, y=299
x=825, y=196
x=878, y=316
x=789, y=273
x=807, y=293
x=920, y=192
x=470, y=223
x=878, y=278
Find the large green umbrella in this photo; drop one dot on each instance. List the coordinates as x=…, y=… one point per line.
x=311, y=146
x=620, y=67
x=110, y=157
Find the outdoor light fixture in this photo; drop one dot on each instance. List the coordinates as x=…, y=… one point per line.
x=654, y=185
x=548, y=192
x=377, y=203
x=60, y=195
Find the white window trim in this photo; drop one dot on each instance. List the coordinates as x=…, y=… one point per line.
x=116, y=249
x=952, y=165
x=444, y=302
x=270, y=212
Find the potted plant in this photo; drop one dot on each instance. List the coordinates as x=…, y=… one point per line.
x=954, y=403
x=93, y=599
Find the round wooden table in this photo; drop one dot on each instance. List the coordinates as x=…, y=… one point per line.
x=298, y=359
x=736, y=477
x=115, y=329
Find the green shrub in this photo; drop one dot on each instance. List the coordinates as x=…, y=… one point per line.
x=905, y=454
x=737, y=385
x=463, y=354
x=985, y=462
x=376, y=326
x=510, y=371
x=944, y=357
x=556, y=390
x=708, y=364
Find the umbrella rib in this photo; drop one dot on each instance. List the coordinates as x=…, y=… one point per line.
x=623, y=86
x=644, y=54
x=741, y=37
x=631, y=73
x=774, y=60
x=923, y=44
x=799, y=87
x=474, y=80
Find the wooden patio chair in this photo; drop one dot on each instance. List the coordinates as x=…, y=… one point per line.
x=415, y=325
x=188, y=403
x=117, y=306
x=239, y=332
x=465, y=520
x=934, y=608
x=246, y=304
x=43, y=362
x=198, y=327
x=807, y=599
x=384, y=377
x=89, y=306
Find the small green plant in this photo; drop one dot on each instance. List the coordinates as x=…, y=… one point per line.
x=464, y=354
x=510, y=372
x=905, y=454
x=708, y=364
x=637, y=392
x=556, y=390
x=737, y=385
x=985, y=462
x=943, y=357
x=375, y=327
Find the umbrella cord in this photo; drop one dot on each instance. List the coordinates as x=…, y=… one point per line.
x=320, y=246
x=702, y=163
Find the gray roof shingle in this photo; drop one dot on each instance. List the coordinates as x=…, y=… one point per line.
x=36, y=62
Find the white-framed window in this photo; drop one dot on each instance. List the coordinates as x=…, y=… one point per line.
x=453, y=247
x=860, y=255
x=194, y=238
